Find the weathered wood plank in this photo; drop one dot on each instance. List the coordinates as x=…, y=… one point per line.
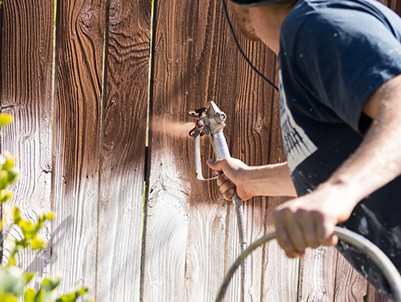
x=256, y=138
x=280, y=274
x=186, y=227
x=317, y=275
x=26, y=86
x=350, y=285
x=77, y=132
x=124, y=153
x=375, y=296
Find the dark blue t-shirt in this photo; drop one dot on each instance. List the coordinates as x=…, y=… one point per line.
x=334, y=54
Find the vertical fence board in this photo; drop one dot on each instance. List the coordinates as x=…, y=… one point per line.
x=77, y=126
x=376, y=296
x=26, y=85
x=280, y=274
x=213, y=69
x=318, y=275
x=167, y=214
x=350, y=285
x=123, y=165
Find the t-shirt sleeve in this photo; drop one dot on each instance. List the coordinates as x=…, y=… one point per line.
x=343, y=59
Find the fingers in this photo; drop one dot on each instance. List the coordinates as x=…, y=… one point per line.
x=297, y=230
x=226, y=187
x=289, y=240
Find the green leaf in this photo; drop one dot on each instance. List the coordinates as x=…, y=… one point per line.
x=30, y=295
x=8, y=163
x=5, y=196
x=12, y=261
x=27, y=277
x=3, y=179
x=73, y=296
x=70, y=297
x=4, y=297
x=16, y=215
x=28, y=228
x=11, y=281
x=5, y=119
x=12, y=177
x=82, y=291
x=41, y=295
x=49, y=216
x=37, y=243
x=50, y=284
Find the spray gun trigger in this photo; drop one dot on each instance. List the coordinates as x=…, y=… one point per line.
x=198, y=115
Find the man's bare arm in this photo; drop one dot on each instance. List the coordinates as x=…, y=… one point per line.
x=309, y=221
x=268, y=180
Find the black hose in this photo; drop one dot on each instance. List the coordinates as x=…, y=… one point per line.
x=361, y=243
x=241, y=51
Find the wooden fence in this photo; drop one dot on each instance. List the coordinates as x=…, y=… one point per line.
x=100, y=92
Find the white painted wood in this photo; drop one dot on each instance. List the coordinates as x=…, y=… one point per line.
x=280, y=274
x=166, y=230
x=205, y=255
x=318, y=274
x=26, y=71
x=119, y=237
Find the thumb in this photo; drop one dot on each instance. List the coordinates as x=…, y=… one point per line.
x=214, y=165
x=331, y=241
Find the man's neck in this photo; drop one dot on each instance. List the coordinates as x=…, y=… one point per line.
x=267, y=23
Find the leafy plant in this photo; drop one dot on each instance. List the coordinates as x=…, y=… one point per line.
x=13, y=281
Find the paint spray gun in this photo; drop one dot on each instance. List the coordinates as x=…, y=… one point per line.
x=210, y=120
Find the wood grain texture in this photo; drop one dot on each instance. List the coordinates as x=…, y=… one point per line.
x=181, y=215
x=318, y=275
x=280, y=275
x=77, y=132
x=350, y=285
x=165, y=270
x=256, y=140
x=26, y=85
x=374, y=296
x=124, y=153
x=95, y=181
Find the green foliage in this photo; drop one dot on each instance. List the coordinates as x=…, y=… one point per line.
x=14, y=282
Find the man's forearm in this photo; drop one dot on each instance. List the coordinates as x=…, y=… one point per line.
x=378, y=160
x=271, y=180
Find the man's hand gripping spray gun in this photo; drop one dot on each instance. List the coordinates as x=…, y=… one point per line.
x=211, y=120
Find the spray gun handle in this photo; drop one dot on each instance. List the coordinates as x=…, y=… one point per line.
x=219, y=145
x=221, y=151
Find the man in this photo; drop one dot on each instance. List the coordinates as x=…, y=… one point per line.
x=340, y=99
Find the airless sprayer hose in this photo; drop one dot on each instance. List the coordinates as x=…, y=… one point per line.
x=368, y=248
x=221, y=151
x=239, y=211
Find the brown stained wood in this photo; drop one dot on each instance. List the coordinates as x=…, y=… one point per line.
x=251, y=129
x=395, y=5
x=26, y=83
x=375, y=296
x=350, y=285
x=186, y=223
x=77, y=132
x=164, y=277
x=123, y=164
